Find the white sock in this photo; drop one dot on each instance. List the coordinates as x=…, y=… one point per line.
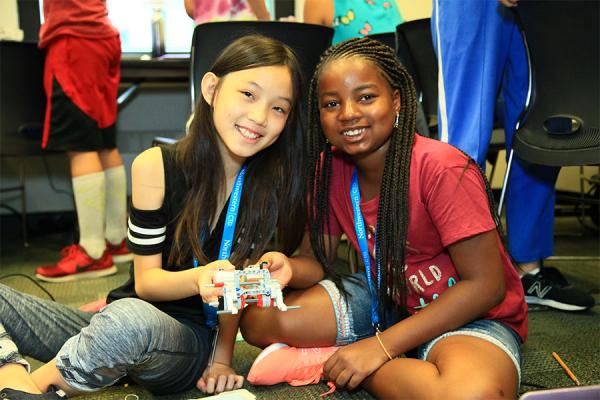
x=115, y=227
x=534, y=271
x=90, y=198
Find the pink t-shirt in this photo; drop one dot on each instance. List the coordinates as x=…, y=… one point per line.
x=81, y=18
x=447, y=203
x=222, y=10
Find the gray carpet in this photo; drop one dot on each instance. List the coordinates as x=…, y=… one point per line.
x=574, y=336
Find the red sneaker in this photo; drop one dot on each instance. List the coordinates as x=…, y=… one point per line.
x=297, y=366
x=120, y=253
x=76, y=265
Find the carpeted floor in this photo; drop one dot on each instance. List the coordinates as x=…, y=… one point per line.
x=574, y=336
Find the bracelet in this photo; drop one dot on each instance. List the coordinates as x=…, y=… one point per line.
x=381, y=344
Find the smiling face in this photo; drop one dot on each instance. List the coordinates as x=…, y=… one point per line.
x=357, y=106
x=250, y=108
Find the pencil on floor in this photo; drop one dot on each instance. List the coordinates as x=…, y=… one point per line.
x=567, y=370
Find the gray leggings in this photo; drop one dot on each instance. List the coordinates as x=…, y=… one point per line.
x=92, y=351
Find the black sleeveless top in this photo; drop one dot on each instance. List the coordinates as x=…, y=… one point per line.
x=152, y=232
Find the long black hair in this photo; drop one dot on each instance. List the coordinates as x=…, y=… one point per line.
x=273, y=197
x=392, y=214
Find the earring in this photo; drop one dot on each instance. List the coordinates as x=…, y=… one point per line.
x=397, y=121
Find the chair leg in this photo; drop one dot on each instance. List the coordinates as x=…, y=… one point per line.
x=19, y=188
x=352, y=258
x=23, y=201
x=505, y=182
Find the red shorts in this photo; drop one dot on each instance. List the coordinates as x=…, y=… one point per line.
x=81, y=81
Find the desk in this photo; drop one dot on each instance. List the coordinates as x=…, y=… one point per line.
x=136, y=70
x=164, y=69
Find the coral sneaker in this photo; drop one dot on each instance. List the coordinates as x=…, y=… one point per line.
x=120, y=253
x=93, y=306
x=296, y=366
x=76, y=265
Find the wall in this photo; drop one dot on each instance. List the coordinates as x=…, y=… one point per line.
x=415, y=9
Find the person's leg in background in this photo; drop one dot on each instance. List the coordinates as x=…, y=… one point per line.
x=530, y=201
x=100, y=191
x=468, y=36
x=88, y=258
x=475, y=57
x=115, y=225
x=115, y=222
x=89, y=190
x=80, y=120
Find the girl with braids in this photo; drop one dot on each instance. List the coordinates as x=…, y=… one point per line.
x=240, y=155
x=439, y=285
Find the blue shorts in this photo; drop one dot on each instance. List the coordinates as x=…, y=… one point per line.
x=353, y=317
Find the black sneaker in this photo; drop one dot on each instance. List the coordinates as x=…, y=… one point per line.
x=13, y=394
x=554, y=275
x=550, y=288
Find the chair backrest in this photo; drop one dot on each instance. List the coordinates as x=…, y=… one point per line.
x=414, y=47
x=387, y=38
x=307, y=40
x=563, y=123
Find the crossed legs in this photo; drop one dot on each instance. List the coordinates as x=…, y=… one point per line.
x=458, y=366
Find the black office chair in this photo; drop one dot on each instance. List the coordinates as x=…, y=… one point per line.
x=387, y=38
x=563, y=121
x=23, y=103
x=414, y=47
x=307, y=40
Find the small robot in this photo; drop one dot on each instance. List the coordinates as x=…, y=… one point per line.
x=252, y=285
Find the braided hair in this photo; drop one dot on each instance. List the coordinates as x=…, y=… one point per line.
x=392, y=214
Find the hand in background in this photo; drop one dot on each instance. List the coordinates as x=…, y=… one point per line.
x=509, y=3
x=279, y=267
x=207, y=275
x=219, y=378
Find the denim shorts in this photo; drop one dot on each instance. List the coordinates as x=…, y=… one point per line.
x=353, y=317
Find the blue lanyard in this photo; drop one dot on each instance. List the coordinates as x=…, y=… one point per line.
x=232, y=213
x=227, y=237
x=361, y=235
x=230, y=217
